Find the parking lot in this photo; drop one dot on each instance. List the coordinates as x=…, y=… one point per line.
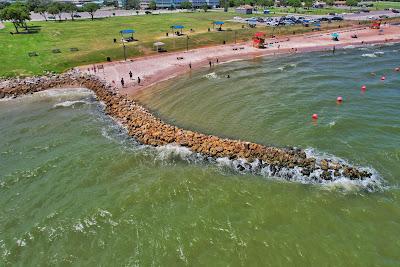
x=306, y=20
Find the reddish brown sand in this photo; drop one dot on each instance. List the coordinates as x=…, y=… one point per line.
x=157, y=68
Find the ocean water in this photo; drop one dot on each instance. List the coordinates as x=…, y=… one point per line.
x=76, y=190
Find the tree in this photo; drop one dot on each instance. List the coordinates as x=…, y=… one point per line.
x=91, y=8
x=33, y=4
x=42, y=11
x=110, y=3
x=132, y=4
x=266, y=3
x=186, y=5
x=308, y=3
x=153, y=5
x=71, y=9
x=41, y=8
x=18, y=14
x=351, y=2
x=205, y=7
x=55, y=9
x=329, y=2
x=294, y=3
x=4, y=5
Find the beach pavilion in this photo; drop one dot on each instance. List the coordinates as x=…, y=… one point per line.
x=159, y=46
x=179, y=29
x=127, y=35
x=218, y=24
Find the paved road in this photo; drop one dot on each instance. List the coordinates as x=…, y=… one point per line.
x=103, y=13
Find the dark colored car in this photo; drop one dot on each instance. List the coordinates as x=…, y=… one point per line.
x=147, y=12
x=395, y=11
x=364, y=10
x=384, y=16
x=337, y=18
x=77, y=16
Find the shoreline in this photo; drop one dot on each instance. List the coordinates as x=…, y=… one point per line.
x=151, y=130
x=155, y=69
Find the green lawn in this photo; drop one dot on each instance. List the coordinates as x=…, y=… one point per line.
x=382, y=5
x=94, y=39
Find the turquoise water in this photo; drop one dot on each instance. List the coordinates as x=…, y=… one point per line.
x=75, y=190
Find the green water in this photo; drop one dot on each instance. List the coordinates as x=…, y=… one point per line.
x=75, y=190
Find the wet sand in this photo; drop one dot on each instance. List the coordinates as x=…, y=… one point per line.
x=156, y=68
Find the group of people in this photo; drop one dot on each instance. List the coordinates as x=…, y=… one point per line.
x=130, y=77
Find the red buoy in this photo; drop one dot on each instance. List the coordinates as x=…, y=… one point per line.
x=383, y=78
x=363, y=87
x=397, y=69
x=315, y=116
x=339, y=99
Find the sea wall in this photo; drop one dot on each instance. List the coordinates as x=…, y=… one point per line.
x=150, y=130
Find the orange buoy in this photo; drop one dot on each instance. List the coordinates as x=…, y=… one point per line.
x=339, y=99
x=315, y=116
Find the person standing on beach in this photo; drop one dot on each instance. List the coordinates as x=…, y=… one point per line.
x=138, y=80
x=209, y=63
x=217, y=61
x=122, y=82
x=334, y=49
x=130, y=75
x=190, y=65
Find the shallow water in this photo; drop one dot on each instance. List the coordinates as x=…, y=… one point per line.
x=75, y=190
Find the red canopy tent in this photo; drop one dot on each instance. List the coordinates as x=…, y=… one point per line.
x=376, y=25
x=259, y=39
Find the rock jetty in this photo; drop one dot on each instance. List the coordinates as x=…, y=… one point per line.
x=150, y=130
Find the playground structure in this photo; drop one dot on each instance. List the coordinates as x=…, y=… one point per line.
x=178, y=28
x=218, y=24
x=127, y=35
x=259, y=40
x=376, y=25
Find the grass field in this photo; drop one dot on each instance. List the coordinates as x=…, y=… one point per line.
x=94, y=39
x=382, y=5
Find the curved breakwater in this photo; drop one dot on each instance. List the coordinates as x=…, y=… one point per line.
x=288, y=163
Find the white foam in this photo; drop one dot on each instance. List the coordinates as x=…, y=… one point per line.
x=60, y=94
x=211, y=76
x=21, y=242
x=69, y=103
x=369, y=55
x=173, y=151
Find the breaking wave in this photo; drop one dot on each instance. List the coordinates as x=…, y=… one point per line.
x=374, y=183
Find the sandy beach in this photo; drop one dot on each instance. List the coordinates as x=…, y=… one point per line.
x=156, y=68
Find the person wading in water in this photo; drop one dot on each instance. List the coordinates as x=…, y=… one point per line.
x=130, y=75
x=122, y=82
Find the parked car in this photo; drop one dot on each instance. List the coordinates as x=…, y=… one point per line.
x=372, y=17
x=365, y=10
x=384, y=16
x=77, y=16
x=395, y=11
x=51, y=17
x=147, y=12
x=336, y=18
